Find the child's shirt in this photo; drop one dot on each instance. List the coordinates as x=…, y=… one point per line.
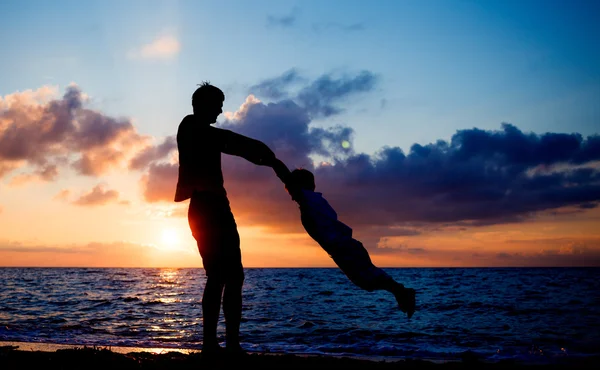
x=320, y=222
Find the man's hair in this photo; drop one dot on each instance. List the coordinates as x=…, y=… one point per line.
x=303, y=178
x=207, y=93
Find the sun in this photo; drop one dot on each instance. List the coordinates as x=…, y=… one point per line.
x=170, y=237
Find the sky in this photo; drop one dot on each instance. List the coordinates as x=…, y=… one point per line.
x=444, y=133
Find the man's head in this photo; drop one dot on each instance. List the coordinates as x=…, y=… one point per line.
x=207, y=102
x=302, y=178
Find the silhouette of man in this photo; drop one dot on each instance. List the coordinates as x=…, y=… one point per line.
x=209, y=215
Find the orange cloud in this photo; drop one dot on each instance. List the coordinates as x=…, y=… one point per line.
x=163, y=47
x=6, y=167
x=63, y=195
x=43, y=174
x=159, y=182
x=97, y=196
x=47, y=133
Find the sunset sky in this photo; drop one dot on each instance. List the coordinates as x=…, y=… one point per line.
x=473, y=128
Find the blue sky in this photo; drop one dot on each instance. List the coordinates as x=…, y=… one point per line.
x=441, y=65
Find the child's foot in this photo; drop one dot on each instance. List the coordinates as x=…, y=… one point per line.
x=406, y=301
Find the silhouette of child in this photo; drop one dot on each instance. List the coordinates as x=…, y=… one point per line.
x=321, y=223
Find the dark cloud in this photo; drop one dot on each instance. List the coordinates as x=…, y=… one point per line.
x=520, y=149
x=277, y=88
x=282, y=21
x=153, y=153
x=478, y=177
x=99, y=195
x=465, y=180
x=322, y=97
x=48, y=135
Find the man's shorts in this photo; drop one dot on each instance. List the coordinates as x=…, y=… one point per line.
x=214, y=228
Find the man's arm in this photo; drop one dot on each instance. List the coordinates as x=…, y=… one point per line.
x=254, y=151
x=250, y=149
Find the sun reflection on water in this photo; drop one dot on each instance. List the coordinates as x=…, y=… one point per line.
x=169, y=275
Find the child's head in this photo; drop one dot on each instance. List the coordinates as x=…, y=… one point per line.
x=302, y=178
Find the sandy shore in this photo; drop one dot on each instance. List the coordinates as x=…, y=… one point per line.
x=47, y=357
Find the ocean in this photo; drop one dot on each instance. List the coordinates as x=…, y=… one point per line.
x=523, y=314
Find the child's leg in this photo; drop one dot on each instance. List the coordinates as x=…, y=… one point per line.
x=356, y=263
x=374, y=278
x=404, y=296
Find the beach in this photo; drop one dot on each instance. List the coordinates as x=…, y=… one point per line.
x=42, y=356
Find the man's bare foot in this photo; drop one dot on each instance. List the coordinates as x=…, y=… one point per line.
x=212, y=351
x=235, y=351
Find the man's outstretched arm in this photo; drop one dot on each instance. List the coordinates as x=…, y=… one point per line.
x=250, y=149
x=256, y=152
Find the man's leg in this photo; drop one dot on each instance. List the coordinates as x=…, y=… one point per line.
x=211, y=308
x=232, y=298
x=204, y=219
x=232, y=308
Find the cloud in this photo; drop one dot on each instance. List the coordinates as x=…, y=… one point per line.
x=567, y=256
x=7, y=167
x=153, y=153
x=45, y=133
x=489, y=249
x=283, y=21
x=159, y=182
x=63, y=195
x=276, y=88
x=478, y=177
x=163, y=47
x=98, y=196
x=321, y=97
x=560, y=257
x=42, y=174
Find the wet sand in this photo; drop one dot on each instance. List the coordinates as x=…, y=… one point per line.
x=22, y=356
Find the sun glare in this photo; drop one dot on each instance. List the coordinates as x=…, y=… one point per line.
x=170, y=237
